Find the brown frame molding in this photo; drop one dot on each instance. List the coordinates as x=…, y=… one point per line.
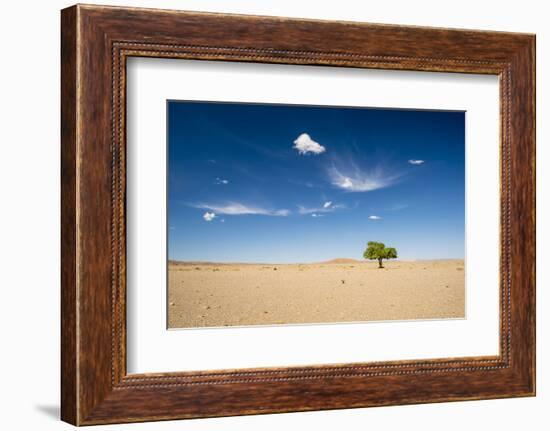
x=95, y=43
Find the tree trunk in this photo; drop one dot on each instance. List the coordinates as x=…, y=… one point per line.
x=380, y=263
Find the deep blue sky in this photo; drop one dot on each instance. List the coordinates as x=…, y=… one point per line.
x=243, y=188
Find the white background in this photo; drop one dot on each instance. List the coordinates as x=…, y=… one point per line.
x=29, y=229
x=151, y=348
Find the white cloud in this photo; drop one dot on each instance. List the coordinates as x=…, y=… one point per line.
x=280, y=213
x=415, y=162
x=235, y=208
x=304, y=144
x=221, y=181
x=208, y=216
x=322, y=209
x=374, y=217
x=347, y=183
x=361, y=181
x=316, y=215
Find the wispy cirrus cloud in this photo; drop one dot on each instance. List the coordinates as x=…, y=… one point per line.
x=236, y=208
x=354, y=179
x=221, y=181
x=415, y=162
x=398, y=207
x=326, y=207
x=374, y=217
x=305, y=145
x=308, y=184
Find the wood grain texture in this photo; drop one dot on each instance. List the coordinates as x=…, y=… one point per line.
x=96, y=41
x=69, y=366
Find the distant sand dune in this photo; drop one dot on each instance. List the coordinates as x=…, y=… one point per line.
x=206, y=294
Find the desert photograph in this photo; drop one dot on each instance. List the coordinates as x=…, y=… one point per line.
x=342, y=290
x=292, y=214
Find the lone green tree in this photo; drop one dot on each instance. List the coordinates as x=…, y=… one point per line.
x=379, y=251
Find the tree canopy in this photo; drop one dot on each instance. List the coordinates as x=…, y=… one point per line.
x=378, y=251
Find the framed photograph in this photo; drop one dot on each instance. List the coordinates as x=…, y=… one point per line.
x=265, y=215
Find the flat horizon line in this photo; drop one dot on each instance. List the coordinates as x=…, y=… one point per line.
x=339, y=260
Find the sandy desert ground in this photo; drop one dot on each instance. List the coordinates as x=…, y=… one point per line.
x=211, y=295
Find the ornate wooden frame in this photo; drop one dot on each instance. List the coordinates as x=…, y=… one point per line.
x=95, y=42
